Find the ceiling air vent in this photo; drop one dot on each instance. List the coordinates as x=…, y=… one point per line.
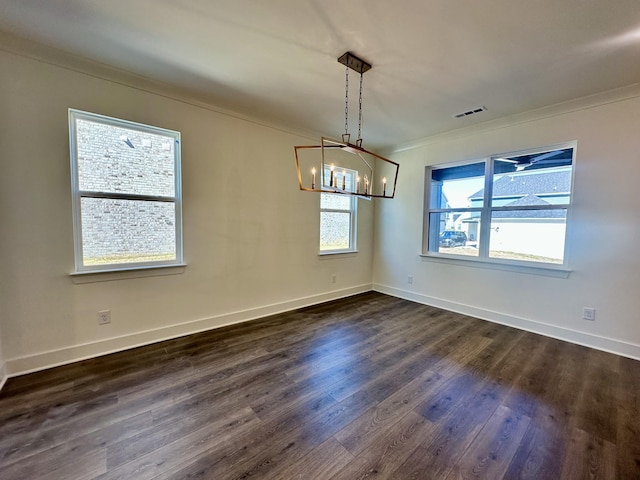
x=470, y=112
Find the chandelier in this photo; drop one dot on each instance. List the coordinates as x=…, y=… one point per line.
x=342, y=167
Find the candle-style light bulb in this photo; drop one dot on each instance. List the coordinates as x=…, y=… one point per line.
x=358, y=184
x=331, y=177
x=313, y=178
x=384, y=186
x=366, y=185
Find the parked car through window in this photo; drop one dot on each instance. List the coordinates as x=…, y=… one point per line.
x=451, y=238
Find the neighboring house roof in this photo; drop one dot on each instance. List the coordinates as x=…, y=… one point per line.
x=529, y=200
x=530, y=183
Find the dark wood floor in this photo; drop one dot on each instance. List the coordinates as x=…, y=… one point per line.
x=366, y=387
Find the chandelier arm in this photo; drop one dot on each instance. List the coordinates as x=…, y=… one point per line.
x=365, y=162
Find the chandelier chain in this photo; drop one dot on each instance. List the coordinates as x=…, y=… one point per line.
x=346, y=103
x=360, y=112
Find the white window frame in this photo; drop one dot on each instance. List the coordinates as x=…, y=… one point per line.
x=353, y=212
x=78, y=194
x=483, y=258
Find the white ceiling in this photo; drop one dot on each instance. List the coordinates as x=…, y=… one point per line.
x=276, y=59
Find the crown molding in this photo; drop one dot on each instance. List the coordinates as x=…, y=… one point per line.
x=570, y=106
x=40, y=52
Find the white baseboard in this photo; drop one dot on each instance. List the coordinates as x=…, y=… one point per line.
x=53, y=358
x=610, y=345
x=40, y=361
x=3, y=374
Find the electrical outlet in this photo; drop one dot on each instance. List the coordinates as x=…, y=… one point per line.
x=589, y=313
x=104, y=317
x=333, y=278
x=410, y=279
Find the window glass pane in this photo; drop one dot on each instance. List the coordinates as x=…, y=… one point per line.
x=457, y=187
x=335, y=201
x=454, y=233
x=334, y=230
x=127, y=231
x=528, y=235
x=536, y=179
x=114, y=159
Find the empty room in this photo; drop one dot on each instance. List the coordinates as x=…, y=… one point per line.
x=319, y=240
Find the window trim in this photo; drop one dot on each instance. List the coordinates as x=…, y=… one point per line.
x=353, y=224
x=77, y=194
x=483, y=259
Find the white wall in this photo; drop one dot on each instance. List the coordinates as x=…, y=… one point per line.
x=3, y=370
x=250, y=236
x=603, y=235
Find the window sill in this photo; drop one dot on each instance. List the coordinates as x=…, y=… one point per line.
x=336, y=252
x=92, y=276
x=558, y=272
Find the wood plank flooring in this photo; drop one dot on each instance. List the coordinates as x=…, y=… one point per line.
x=366, y=387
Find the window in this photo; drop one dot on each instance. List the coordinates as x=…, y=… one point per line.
x=126, y=191
x=508, y=208
x=338, y=214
